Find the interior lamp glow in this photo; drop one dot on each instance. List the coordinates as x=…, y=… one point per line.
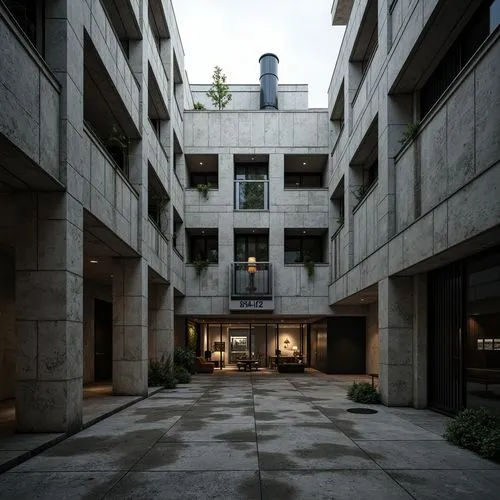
x=252, y=267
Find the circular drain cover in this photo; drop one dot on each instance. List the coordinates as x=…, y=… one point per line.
x=364, y=411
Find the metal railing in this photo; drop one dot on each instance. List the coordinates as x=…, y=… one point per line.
x=245, y=283
x=251, y=195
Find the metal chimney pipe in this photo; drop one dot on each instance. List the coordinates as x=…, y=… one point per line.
x=269, y=81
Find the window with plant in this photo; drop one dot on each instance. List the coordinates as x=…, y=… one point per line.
x=304, y=248
x=204, y=247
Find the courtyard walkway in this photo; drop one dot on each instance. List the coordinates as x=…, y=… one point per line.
x=256, y=437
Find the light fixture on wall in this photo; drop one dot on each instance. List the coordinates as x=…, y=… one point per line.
x=295, y=348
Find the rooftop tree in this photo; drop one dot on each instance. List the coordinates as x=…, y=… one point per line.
x=219, y=91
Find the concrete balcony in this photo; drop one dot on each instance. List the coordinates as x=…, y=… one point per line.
x=108, y=49
x=29, y=117
x=178, y=274
x=109, y=197
x=158, y=249
x=365, y=220
x=157, y=155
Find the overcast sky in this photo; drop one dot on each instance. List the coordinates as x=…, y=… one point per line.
x=233, y=34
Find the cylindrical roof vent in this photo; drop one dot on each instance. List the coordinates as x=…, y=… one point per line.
x=269, y=81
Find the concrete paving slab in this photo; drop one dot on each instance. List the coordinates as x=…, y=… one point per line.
x=191, y=485
x=213, y=432
x=424, y=455
x=200, y=457
x=56, y=485
x=450, y=484
x=325, y=485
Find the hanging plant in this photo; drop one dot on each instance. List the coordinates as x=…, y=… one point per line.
x=410, y=132
x=200, y=266
x=309, y=265
x=203, y=189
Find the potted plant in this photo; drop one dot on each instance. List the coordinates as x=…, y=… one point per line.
x=200, y=266
x=203, y=189
x=309, y=265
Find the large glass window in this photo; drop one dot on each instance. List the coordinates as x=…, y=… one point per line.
x=204, y=248
x=251, y=187
x=303, y=180
x=483, y=23
x=205, y=179
x=253, y=245
x=299, y=249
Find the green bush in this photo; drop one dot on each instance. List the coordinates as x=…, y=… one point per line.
x=363, y=392
x=186, y=358
x=160, y=373
x=477, y=430
x=182, y=375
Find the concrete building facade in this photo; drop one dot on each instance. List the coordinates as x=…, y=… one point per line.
x=130, y=222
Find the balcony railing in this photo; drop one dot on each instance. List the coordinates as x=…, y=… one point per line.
x=246, y=284
x=251, y=195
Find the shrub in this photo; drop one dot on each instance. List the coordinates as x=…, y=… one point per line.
x=362, y=392
x=186, y=358
x=182, y=375
x=160, y=373
x=477, y=430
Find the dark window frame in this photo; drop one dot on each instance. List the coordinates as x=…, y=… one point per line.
x=319, y=240
x=196, y=178
x=473, y=35
x=206, y=255
x=259, y=238
x=301, y=177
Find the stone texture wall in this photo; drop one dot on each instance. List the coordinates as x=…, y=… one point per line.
x=7, y=326
x=372, y=340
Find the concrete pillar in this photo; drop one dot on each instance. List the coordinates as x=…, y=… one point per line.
x=161, y=321
x=49, y=313
x=420, y=341
x=7, y=326
x=130, y=327
x=396, y=340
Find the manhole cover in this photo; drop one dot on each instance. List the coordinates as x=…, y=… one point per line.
x=364, y=411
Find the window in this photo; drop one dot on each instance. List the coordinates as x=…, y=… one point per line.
x=482, y=24
x=29, y=14
x=204, y=247
x=157, y=199
x=303, y=180
x=251, y=187
x=299, y=249
x=251, y=245
x=205, y=178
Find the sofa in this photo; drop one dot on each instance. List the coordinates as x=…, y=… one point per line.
x=203, y=366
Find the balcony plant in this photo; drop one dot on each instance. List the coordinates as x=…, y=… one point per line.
x=410, y=132
x=203, y=189
x=198, y=106
x=200, y=266
x=310, y=266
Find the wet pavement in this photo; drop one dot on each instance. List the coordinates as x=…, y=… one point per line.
x=254, y=437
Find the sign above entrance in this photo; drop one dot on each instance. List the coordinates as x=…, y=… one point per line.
x=256, y=304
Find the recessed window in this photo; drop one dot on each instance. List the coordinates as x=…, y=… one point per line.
x=251, y=186
x=482, y=24
x=305, y=248
x=204, y=247
x=251, y=245
x=29, y=15
x=303, y=180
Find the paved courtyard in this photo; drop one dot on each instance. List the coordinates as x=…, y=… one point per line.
x=256, y=437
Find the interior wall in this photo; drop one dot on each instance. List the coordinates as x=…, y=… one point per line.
x=179, y=331
x=7, y=326
x=91, y=291
x=372, y=339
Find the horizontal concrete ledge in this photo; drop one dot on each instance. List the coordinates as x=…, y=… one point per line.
x=13, y=462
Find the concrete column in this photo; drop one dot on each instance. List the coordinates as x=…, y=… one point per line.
x=7, y=327
x=161, y=321
x=130, y=327
x=396, y=340
x=49, y=313
x=420, y=341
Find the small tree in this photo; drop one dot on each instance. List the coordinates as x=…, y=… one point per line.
x=219, y=92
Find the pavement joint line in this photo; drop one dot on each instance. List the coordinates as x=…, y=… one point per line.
x=9, y=464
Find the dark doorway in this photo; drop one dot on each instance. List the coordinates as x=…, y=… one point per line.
x=103, y=340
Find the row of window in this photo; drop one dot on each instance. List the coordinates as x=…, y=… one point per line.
x=298, y=248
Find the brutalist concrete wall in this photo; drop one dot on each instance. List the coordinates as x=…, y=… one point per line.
x=275, y=134
x=247, y=97
x=372, y=339
x=7, y=326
